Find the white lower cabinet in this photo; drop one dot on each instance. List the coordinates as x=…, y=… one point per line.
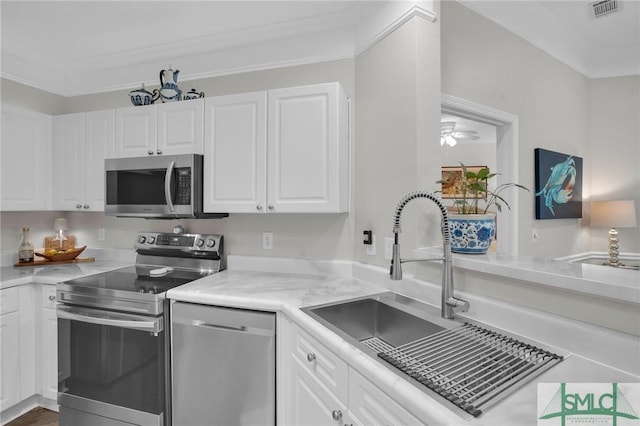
x=371, y=406
x=311, y=403
x=49, y=355
x=10, y=346
x=29, y=347
x=322, y=389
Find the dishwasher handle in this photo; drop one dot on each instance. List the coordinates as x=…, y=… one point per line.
x=224, y=319
x=224, y=327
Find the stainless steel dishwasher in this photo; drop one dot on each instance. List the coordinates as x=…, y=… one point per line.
x=223, y=366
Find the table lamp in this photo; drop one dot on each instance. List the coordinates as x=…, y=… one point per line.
x=60, y=225
x=613, y=214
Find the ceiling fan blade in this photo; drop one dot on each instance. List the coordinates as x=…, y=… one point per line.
x=466, y=135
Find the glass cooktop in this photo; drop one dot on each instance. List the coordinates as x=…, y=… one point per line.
x=138, y=279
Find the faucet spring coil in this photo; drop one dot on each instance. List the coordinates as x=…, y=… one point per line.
x=423, y=194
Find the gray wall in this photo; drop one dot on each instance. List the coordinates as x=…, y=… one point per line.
x=614, y=134
x=561, y=110
x=487, y=64
x=398, y=126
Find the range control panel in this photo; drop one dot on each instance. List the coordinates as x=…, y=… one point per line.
x=186, y=242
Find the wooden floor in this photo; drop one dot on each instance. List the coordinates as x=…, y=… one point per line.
x=36, y=417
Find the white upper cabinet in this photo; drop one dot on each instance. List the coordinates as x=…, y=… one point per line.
x=136, y=131
x=295, y=160
x=163, y=129
x=235, y=153
x=26, y=160
x=81, y=143
x=99, y=143
x=68, y=161
x=308, y=150
x=180, y=127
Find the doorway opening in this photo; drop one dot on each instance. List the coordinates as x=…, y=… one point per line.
x=506, y=160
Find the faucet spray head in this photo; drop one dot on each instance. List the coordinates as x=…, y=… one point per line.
x=396, y=264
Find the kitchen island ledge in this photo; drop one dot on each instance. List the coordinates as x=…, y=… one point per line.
x=597, y=354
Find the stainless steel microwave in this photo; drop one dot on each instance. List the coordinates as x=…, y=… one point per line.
x=159, y=187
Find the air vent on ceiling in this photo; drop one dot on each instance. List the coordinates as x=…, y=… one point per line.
x=604, y=7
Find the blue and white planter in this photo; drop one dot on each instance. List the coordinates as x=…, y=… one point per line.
x=471, y=233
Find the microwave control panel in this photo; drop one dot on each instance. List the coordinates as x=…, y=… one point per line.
x=183, y=193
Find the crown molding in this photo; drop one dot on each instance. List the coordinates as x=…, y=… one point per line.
x=389, y=19
x=304, y=42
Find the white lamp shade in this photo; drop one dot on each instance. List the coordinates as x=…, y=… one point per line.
x=60, y=224
x=613, y=214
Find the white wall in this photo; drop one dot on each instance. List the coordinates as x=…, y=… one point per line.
x=397, y=120
x=484, y=63
x=614, y=133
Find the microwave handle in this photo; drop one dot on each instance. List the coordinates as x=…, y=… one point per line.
x=167, y=186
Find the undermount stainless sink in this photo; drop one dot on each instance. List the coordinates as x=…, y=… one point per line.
x=469, y=365
x=370, y=318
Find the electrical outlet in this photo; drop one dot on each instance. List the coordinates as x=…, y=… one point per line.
x=388, y=248
x=371, y=248
x=267, y=240
x=100, y=234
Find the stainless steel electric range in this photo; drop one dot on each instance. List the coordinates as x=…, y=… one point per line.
x=113, y=332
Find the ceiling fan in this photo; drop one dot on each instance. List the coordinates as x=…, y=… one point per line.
x=449, y=136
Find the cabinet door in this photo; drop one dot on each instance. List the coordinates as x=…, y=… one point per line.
x=310, y=403
x=235, y=153
x=68, y=162
x=180, y=127
x=308, y=149
x=136, y=131
x=370, y=406
x=25, y=157
x=10, y=362
x=99, y=144
x=49, y=358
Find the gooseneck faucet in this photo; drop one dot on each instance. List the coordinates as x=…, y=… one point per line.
x=449, y=302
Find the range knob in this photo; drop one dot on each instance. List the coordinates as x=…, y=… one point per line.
x=211, y=243
x=199, y=242
x=141, y=239
x=151, y=240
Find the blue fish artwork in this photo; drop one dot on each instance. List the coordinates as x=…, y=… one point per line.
x=558, y=185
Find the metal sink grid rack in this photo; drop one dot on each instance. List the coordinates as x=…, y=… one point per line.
x=470, y=366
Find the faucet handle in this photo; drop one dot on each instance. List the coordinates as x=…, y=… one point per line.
x=460, y=304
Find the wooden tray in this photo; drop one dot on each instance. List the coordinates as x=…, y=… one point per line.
x=45, y=262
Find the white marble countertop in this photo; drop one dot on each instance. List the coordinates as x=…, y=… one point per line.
x=11, y=276
x=596, y=280
x=288, y=292
x=106, y=260
x=598, y=355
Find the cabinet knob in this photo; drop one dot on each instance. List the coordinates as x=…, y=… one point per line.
x=259, y=207
x=336, y=415
x=270, y=206
x=52, y=297
x=86, y=206
x=159, y=152
x=150, y=152
x=311, y=357
x=78, y=206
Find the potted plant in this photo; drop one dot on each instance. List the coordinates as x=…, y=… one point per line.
x=472, y=225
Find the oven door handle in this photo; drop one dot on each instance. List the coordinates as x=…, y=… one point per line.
x=95, y=316
x=167, y=186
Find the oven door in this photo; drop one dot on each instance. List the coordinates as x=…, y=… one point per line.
x=111, y=366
